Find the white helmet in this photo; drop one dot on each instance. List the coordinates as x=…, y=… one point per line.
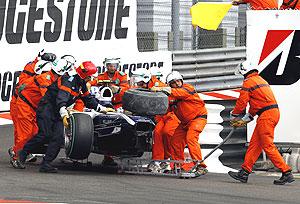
x=71, y=61
x=155, y=71
x=115, y=61
x=60, y=66
x=141, y=74
x=42, y=66
x=175, y=75
x=244, y=67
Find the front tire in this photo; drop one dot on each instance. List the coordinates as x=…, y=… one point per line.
x=79, y=137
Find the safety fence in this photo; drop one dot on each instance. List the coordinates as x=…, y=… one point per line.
x=167, y=25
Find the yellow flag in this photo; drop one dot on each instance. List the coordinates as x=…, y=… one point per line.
x=209, y=15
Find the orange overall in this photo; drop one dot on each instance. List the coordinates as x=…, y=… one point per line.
x=257, y=92
x=162, y=134
x=27, y=73
x=27, y=102
x=262, y=4
x=190, y=110
x=290, y=4
x=164, y=128
x=119, y=79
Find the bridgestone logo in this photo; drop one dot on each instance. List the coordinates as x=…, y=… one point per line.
x=291, y=74
x=28, y=21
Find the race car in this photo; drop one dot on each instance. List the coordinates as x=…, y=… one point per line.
x=116, y=134
x=113, y=134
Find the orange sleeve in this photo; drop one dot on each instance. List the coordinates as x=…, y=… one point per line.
x=124, y=82
x=243, y=99
x=161, y=84
x=27, y=72
x=30, y=66
x=155, y=82
x=182, y=92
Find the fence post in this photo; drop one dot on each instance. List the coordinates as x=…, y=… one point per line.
x=175, y=24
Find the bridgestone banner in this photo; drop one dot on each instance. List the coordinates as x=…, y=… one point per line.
x=87, y=29
x=273, y=46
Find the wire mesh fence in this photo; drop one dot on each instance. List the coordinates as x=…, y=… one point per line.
x=159, y=21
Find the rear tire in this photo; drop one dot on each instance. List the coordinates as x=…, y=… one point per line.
x=144, y=102
x=79, y=137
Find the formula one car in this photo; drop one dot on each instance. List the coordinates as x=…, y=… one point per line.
x=115, y=134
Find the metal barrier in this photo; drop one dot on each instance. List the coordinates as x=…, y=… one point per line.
x=210, y=69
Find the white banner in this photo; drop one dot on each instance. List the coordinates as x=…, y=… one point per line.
x=86, y=29
x=273, y=45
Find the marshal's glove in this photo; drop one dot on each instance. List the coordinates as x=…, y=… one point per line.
x=64, y=114
x=155, y=89
x=66, y=121
x=47, y=56
x=240, y=122
x=166, y=90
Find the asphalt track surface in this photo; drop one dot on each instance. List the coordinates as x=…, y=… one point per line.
x=80, y=184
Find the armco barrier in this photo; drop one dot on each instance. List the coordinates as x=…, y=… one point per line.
x=210, y=69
